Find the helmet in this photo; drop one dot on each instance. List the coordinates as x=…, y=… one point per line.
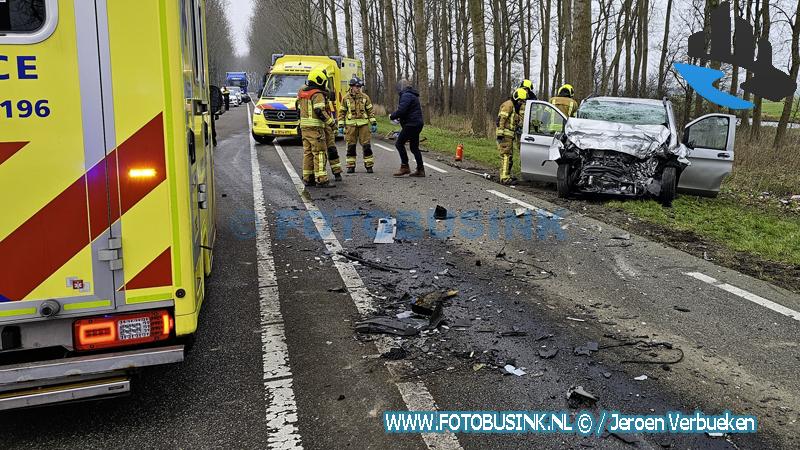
x=526, y=84
x=355, y=81
x=318, y=76
x=568, y=89
x=520, y=95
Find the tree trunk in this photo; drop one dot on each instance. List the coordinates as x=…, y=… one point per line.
x=560, y=52
x=662, y=65
x=526, y=47
x=389, y=67
x=645, y=50
x=637, y=51
x=447, y=57
x=348, y=29
x=569, y=63
x=369, y=60
x=497, y=43
x=582, y=42
x=745, y=115
x=755, y=130
x=629, y=26
x=734, y=87
x=421, y=37
x=479, y=90
x=544, y=81
x=334, y=29
x=435, y=92
x=787, y=104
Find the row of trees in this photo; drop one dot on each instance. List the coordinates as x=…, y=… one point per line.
x=446, y=46
x=221, y=56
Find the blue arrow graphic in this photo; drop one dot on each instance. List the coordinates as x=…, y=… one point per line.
x=701, y=79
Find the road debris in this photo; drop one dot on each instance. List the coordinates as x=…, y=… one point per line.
x=405, y=315
x=395, y=354
x=578, y=396
x=548, y=353
x=440, y=213
x=478, y=366
x=587, y=349
x=622, y=237
x=386, y=325
x=681, y=309
x=640, y=378
x=519, y=212
x=426, y=304
x=575, y=319
x=386, y=232
x=483, y=175
x=514, y=370
x=514, y=332
x=340, y=290
x=353, y=256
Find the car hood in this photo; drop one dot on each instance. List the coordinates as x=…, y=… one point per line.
x=641, y=141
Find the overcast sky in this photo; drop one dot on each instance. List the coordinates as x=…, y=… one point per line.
x=239, y=12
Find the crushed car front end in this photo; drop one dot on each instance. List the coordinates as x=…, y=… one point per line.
x=608, y=158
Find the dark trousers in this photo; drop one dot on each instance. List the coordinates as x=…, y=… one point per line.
x=411, y=135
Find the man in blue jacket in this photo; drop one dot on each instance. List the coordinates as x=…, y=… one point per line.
x=409, y=114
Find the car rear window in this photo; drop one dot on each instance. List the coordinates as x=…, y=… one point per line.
x=624, y=112
x=21, y=16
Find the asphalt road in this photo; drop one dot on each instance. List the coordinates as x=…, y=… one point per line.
x=277, y=361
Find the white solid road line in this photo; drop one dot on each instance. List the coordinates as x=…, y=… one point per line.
x=414, y=393
x=281, y=412
x=428, y=165
x=780, y=309
x=511, y=199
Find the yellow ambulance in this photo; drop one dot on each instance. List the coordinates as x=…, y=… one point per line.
x=107, y=192
x=275, y=114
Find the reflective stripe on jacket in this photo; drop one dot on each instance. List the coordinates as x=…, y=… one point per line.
x=356, y=109
x=308, y=102
x=507, y=120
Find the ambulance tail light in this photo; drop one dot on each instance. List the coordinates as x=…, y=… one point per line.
x=124, y=330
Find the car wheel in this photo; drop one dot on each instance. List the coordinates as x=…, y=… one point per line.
x=669, y=184
x=564, y=180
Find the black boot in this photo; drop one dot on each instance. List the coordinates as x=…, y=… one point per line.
x=369, y=170
x=337, y=177
x=351, y=170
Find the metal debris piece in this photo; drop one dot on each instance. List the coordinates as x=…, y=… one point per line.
x=575, y=320
x=641, y=378
x=386, y=325
x=477, y=367
x=405, y=314
x=623, y=237
x=514, y=332
x=577, y=395
x=681, y=309
x=386, y=232
x=355, y=257
x=519, y=212
x=484, y=175
x=548, y=353
x=395, y=354
x=440, y=213
x=514, y=370
x=436, y=317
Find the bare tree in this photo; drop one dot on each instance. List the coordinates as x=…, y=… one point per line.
x=348, y=29
x=421, y=37
x=390, y=42
x=582, y=44
x=662, y=65
x=479, y=90
x=787, y=104
x=755, y=130
x=544, y=19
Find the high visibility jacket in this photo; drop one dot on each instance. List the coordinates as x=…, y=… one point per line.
x=567, y=105
x=356, y=109
x=507, y=120
x=313, y=105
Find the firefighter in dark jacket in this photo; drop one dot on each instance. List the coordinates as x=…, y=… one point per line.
x=409, y=114
x=312, y=102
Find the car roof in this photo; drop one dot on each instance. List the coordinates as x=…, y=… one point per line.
x=642, y=101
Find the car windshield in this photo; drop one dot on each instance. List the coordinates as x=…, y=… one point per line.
x=631, y=113
x=234, y=89
x=283, y=85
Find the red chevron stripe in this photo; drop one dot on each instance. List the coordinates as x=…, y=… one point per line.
x=8, y=149
x=158, y=273
x=61, y=229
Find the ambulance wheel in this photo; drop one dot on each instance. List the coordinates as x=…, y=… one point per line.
x=264, y=139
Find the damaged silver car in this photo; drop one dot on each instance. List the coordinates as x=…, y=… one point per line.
x=628, y=147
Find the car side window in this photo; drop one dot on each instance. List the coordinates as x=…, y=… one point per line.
x=710, y=133
x=544, y=120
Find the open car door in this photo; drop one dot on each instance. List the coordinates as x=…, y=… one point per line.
x=710, y=140
x=542, y=122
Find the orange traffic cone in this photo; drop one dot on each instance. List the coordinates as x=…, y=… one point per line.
x=459, y=152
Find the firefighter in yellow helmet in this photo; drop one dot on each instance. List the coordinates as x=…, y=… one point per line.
x=330, y=131
x=508, y=119
x=312, y=102
x=359, y=119
x=528, y=86
x=564, y=101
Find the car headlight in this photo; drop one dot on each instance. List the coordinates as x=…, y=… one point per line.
x=258, y=111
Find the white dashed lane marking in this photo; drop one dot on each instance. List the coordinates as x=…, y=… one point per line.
x=780, y=309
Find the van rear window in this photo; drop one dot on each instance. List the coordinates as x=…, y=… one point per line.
x=21, y=16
